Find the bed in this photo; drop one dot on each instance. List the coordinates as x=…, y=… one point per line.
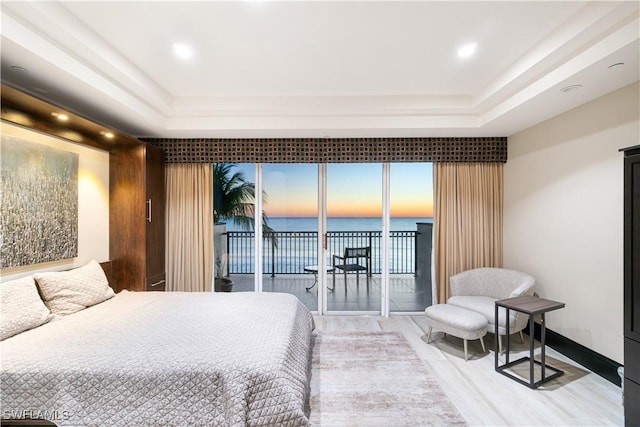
x=156, y=358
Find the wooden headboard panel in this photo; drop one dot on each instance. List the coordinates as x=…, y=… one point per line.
x=108, y=271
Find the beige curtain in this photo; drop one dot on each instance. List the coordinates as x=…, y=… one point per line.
x=467, y=219
x=189, y=246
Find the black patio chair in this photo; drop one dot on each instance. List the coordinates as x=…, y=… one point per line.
x=352, y=261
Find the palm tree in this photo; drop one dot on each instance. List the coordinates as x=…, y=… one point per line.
x=233, y=198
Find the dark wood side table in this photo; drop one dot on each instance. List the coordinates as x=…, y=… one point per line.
x=529, y=305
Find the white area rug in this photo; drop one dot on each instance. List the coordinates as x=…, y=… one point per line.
x=374, y=379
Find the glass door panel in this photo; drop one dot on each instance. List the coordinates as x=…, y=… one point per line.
x=354, y=225
x=234, y=227
x=411, y=222
x=290, y=230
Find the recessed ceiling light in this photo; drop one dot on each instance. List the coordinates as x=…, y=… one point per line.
x=106, y=134
x=570, y=88
x=19, y=69
x=182, y=50
x=467, y=50
x=617, y=64
x=60, y=116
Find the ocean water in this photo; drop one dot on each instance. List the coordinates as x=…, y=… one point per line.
x=339, y=223
x=293, y=252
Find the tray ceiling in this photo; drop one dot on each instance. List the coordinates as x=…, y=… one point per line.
x=319, y=69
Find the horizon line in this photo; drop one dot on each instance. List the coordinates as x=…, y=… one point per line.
x=349, y=216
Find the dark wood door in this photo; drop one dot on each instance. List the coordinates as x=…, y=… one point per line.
x=632, y=246
x=632, y=285
x=155, y=218
x=126, y=217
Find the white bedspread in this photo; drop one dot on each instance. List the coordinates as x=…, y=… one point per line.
x=159, y=359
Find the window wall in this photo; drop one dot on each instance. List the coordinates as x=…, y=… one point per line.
x=354, y=225
x=290, y=230
x=234, y=205
x=410, y=236
x=391, y=274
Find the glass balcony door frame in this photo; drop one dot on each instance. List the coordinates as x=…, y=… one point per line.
x=323, y=254
x=323, y=275
x=323, y=251
x=257, y=243
x=384, y=249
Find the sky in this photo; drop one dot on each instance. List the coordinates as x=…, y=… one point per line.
x=353, y=189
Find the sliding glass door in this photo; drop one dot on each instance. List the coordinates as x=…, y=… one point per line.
x=354, y=226
x=290, y=230
x=410, y=236
x=340, y=237
x=234, y=206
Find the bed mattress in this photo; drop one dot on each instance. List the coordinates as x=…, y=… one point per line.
x=164, y=358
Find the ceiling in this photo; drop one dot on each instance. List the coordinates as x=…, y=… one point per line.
x=319, y=69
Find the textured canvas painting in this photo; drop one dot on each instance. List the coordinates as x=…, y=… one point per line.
x=38, y=203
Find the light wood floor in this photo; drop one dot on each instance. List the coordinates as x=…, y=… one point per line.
x=487, y=398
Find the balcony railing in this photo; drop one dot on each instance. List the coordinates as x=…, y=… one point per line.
x=293, y=250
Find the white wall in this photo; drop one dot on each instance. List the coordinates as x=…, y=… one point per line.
x=93, y=203
x=564, y=215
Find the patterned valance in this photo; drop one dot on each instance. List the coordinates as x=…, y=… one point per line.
x=332, y=150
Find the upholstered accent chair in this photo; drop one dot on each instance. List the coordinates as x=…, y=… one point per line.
x=478, y=289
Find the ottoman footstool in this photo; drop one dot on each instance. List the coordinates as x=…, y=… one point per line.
x=457, y=321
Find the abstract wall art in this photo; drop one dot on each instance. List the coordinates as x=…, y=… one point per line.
x=38, y=203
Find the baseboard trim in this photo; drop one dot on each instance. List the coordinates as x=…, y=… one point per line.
x=595, y=362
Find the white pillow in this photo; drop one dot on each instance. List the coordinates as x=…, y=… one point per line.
x=66, y=292
x=21, y=308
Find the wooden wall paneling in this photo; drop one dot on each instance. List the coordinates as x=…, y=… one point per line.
x=107, y=267
x=155, y=218
x=126, y=217
x=134, y=259
x=137, y=220
x=31, y=112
